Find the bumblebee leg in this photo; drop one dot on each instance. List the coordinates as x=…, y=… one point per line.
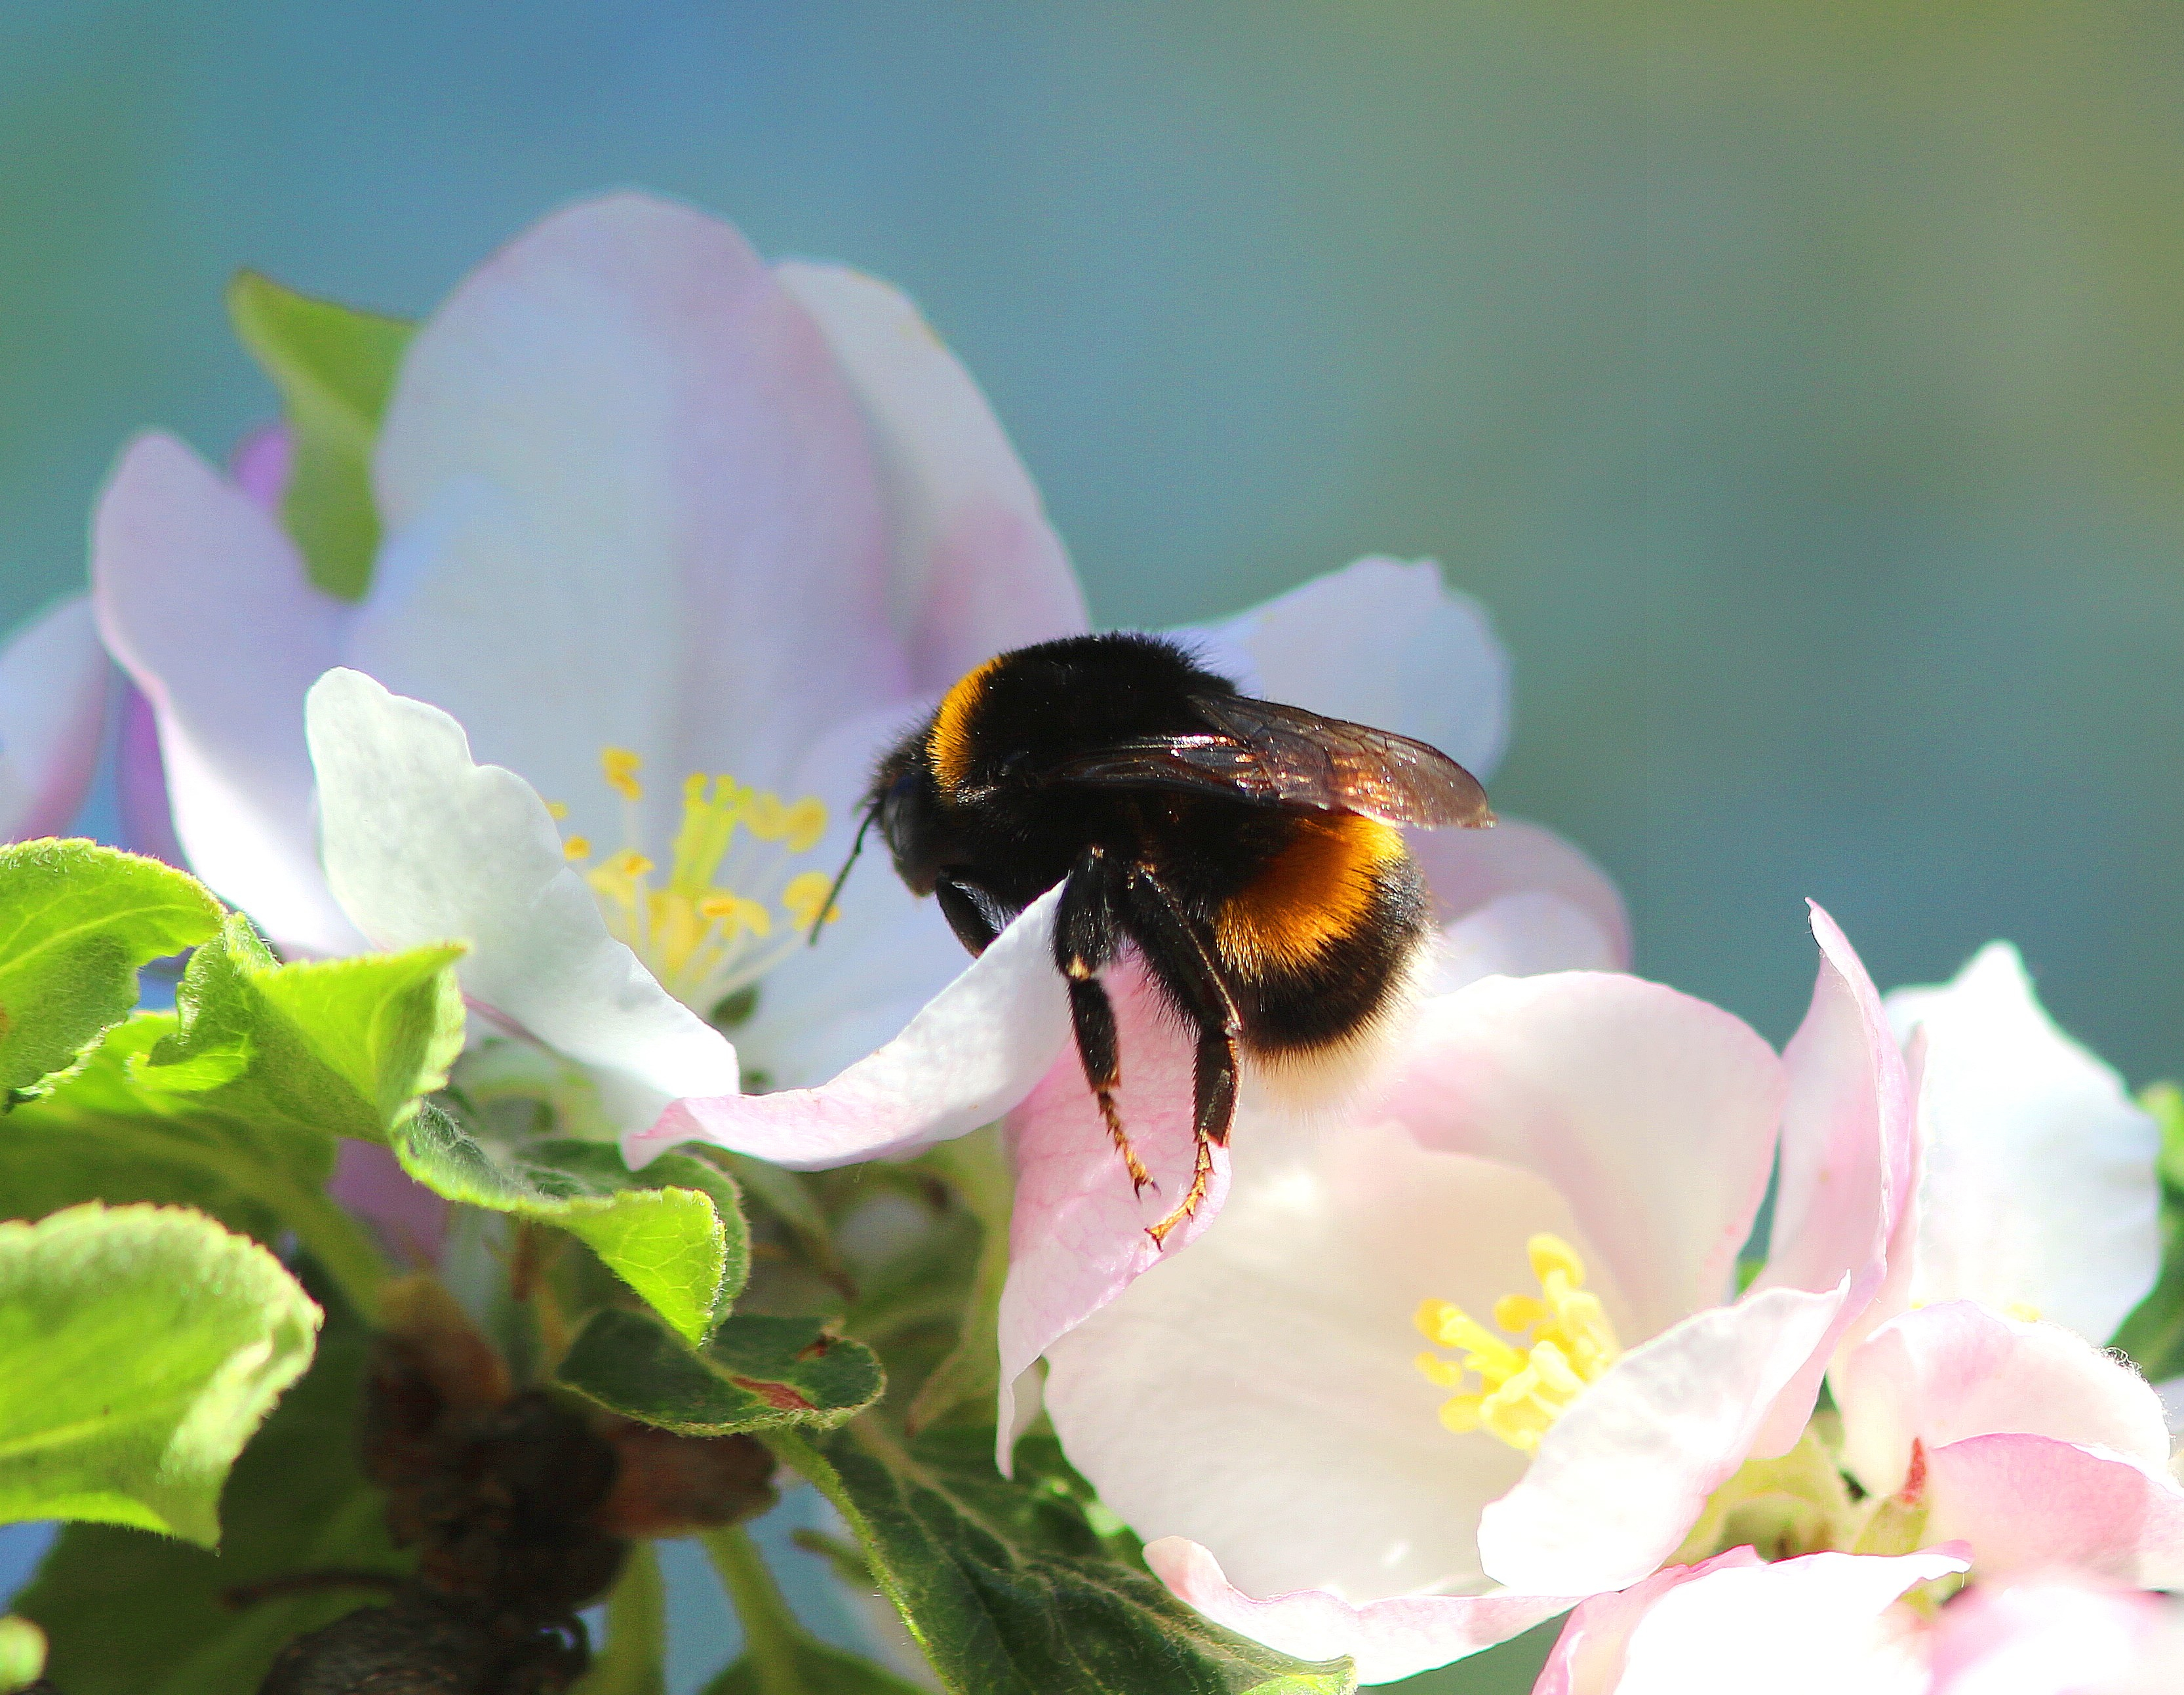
x=1189, y=968
x=972, y=927
x=1085, y=938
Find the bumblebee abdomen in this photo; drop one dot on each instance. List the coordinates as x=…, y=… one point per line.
x=1319, y=944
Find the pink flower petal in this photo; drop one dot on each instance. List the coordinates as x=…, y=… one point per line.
x=2055, y=1636
x=1620, y=1478
x=1388, y=1639
x=978, y=569
x=1653, y=1113
x=2027, y=1503
x=1517, y=935
x=1821, y=1623
x=411, y=1220
x=1588, y=1654
x=629, y=500
x=1381, y=642
x=54, y=681
x=140, y=783
x=1076, y=1237
x=971, y=1054
x=259, y=464
x=1466, y=870
x=1847, y=1158
x=1942, y=1374
x=205, y=604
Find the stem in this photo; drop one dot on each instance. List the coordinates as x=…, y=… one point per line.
x=634, y=1660
x=772, y=1634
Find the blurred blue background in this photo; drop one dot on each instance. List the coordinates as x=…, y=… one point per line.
x=1799, y=383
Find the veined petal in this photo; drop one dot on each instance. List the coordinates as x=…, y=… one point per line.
x=1621, y=1476
x=54, y=680
x=2030, y=1503
x=973, y=1051
x=2039, y=1188
x=1466, y=870
x=1848, y=1154
x=1653, y=1113
x=1390, y=1639
x=205, y=602
x=424, y=844
x=1942, y=1374
x=1382, y=642
x=1813, y=1626
x=630, y=501
x=1077, y=1236
x=977, y=569
x=1275, y=1359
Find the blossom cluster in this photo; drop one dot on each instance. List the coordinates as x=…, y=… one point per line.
x=1784, y=1370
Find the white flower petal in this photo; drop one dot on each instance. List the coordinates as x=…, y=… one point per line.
x=2039, y=1188
x=630, y=501
x=978, y=569
x=1257, y=1392
x=53, y=684
x=1943, y=1372
x=971, y=1053
x=1518, y=935
x=1468, y=870
x=1651, y=1114
x=2030, y=1503
x=1381, y=642
x=1620, y=1478
x=422, y=844
x=205, y=603
x=1388, y=1640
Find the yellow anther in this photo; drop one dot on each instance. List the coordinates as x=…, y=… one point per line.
x=629, y=863
x=557, y=810
x=1568, y=1343
x=766, y=818
x=2023, y=1311
x=807, y=822
x=800, y=898
x=733, y=913
x=621, y=766
x=577, y=847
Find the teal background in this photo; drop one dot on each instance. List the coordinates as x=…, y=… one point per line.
x=1799, y=383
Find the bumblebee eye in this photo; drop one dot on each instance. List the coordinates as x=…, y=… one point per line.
x=899, y=794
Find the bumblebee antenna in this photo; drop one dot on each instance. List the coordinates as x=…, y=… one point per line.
x=856, y=847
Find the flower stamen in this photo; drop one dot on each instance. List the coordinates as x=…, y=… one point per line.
x=1565, y=1342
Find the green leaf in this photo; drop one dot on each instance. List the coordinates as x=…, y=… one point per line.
x=344, y=1045
x=22, y=1653
x=335, y=367
x=782, y=1657
x=1010, y=1589
x=674, y=1231
x=131, y=1613
x=755, y=1373
x=139, y=1348
x=2153, y=1333
x=76, y=922
x=229, y=1103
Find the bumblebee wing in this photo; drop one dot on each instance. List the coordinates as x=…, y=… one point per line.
x=1276, y=756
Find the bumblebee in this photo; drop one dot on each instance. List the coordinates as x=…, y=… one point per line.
x=1248, y=850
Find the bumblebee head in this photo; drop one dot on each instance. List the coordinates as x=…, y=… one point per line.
x=904, y=801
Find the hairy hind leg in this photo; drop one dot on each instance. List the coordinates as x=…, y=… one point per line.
x=1187, y=967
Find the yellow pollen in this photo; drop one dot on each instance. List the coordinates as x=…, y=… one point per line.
x=620, y=767
x=557, y=810
x=2023, y=1311
x=1565, y=1343
x=710, y=926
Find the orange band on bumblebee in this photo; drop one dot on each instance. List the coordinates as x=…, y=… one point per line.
x=948, y=749
x=1317, y=890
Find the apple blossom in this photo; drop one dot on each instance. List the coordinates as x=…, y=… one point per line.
x=2038, y=1193
x=54, y=685
x=1879, y=1624
x=1578, y=1155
